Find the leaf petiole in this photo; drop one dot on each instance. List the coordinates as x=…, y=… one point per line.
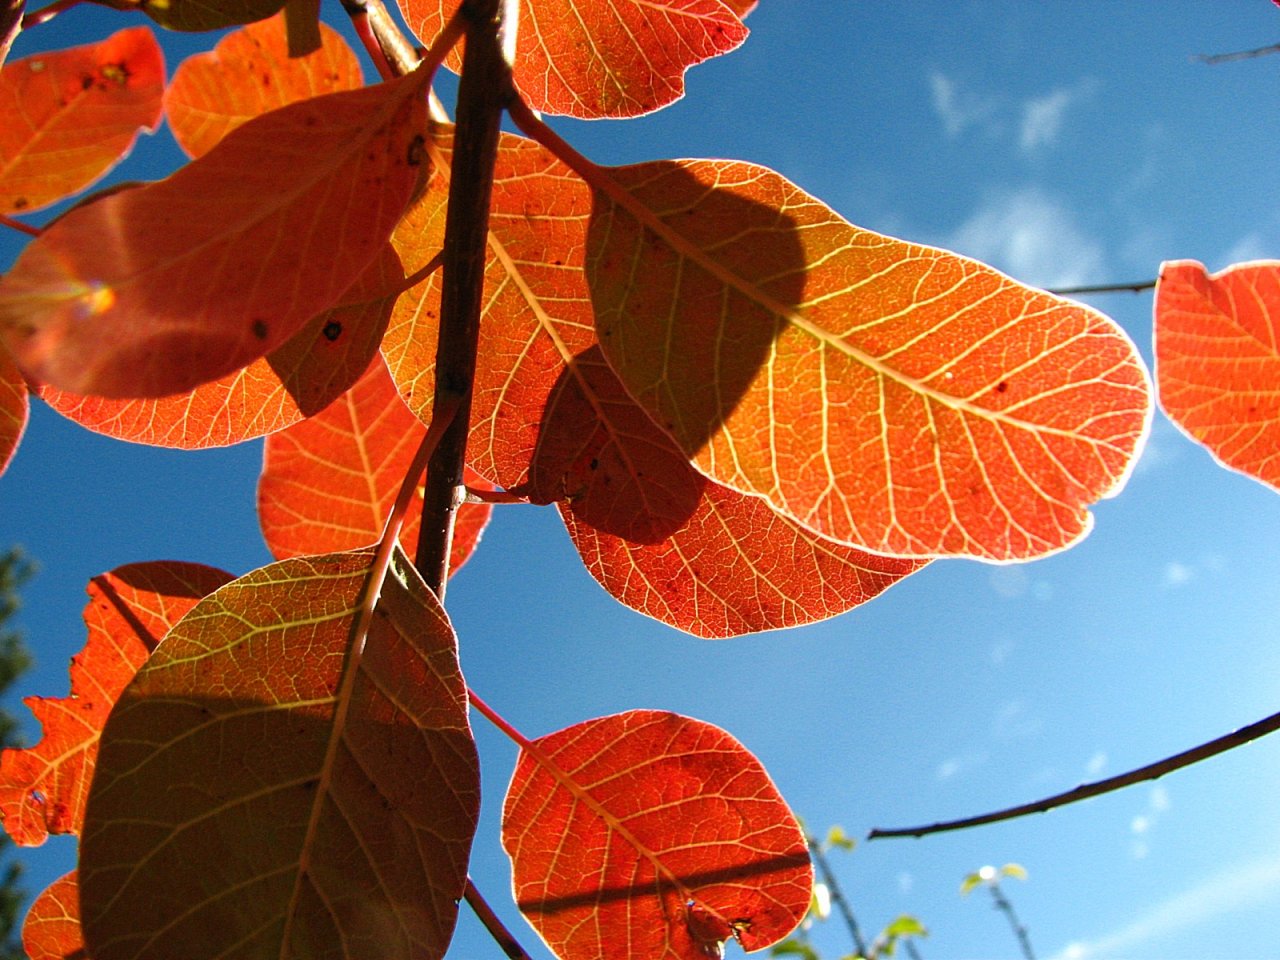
x=19, y=226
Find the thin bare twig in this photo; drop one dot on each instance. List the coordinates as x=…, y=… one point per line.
x=1137, y=287
x=19, y=226
x=1238, y=55
x=1083, y=792
x=497, y=929
x=837, y=895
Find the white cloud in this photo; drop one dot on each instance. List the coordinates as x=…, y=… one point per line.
x=1177, y=574
x=1097, y=763
x=1042, y=117
x=958, y=110
x=1031, y=237
x=1252, y=246
x=1228, y=891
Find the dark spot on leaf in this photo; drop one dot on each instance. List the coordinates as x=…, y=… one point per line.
x=417, y=150
x=116, y=73
x=332, y=330
x=1001, y=387
x=86, y=83
x=595, y=463
x=266, y=79
x=20, y=202
x=259, y=328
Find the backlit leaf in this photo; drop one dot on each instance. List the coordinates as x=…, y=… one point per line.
x=647, y=834
x=52, y=928
x=67, y=116
x=1217, y=347
x=551, y=422
x=328, y=483
x=200, y=15
x=605, y=58
x=43, y=788
x=14, y=407
x=884, y=394
x=332, y=814
x=296, y=380
x=156, y=290
x=729, y=566
x=248, y=74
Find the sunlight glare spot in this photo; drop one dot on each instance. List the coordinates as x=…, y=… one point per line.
x=97, y=300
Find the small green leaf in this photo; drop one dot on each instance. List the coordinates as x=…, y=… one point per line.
x=836, y=837
x=906, y=926
x=794, y=948
x=971, y=881
x=1015, y=870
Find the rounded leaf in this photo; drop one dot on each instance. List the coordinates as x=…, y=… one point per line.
x=1217, y=347
x=883, y=394
x=250, y=73
x=67, y=116
x=605, y=58
x=648, y=834
x=52, y=928
x=324, y=777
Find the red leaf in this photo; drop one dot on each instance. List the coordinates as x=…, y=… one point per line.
x=328, y=787
x=605, y=58
x=647, y=834
x=1217, y=347
x=294, y=381
x=726, y=566
x=887, y=395
x=52, y=928
x=156, y=290
x=328, y=483
x=43, y=788
x=550, y=422
x=250, y=73
x=66, y=117
x=13, y=408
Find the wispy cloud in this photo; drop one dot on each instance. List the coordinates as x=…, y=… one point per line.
x=959, y=109
x=1033, y=238
x=1242, y=886
x=1042, y=117
x=1177, y=574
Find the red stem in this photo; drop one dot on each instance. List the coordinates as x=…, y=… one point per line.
x=496, y=719
x=19, y=225
x=45, y=14
x=360, y=22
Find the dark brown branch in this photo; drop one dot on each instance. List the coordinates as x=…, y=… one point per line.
x=482, y=94
x=497, y=929
x=371, y=18
x=837, y=895
x=1238, y=55
x=1086, y=790
x=1106, y=288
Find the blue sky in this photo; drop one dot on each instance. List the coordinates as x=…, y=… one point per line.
x=1065, y=142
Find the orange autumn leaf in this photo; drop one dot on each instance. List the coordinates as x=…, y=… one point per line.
x=605, y=58
x=52, y=928
x=551, y=423
x=329, y=482
x=726, y=566
x=891, y=396
x=1217, y=348
x=14, y=408
x=328, y=785
x=43, y=788
x=247, y=74
x=67, y=117
x=158, y=289
x=294, y=381
x=648, y=834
